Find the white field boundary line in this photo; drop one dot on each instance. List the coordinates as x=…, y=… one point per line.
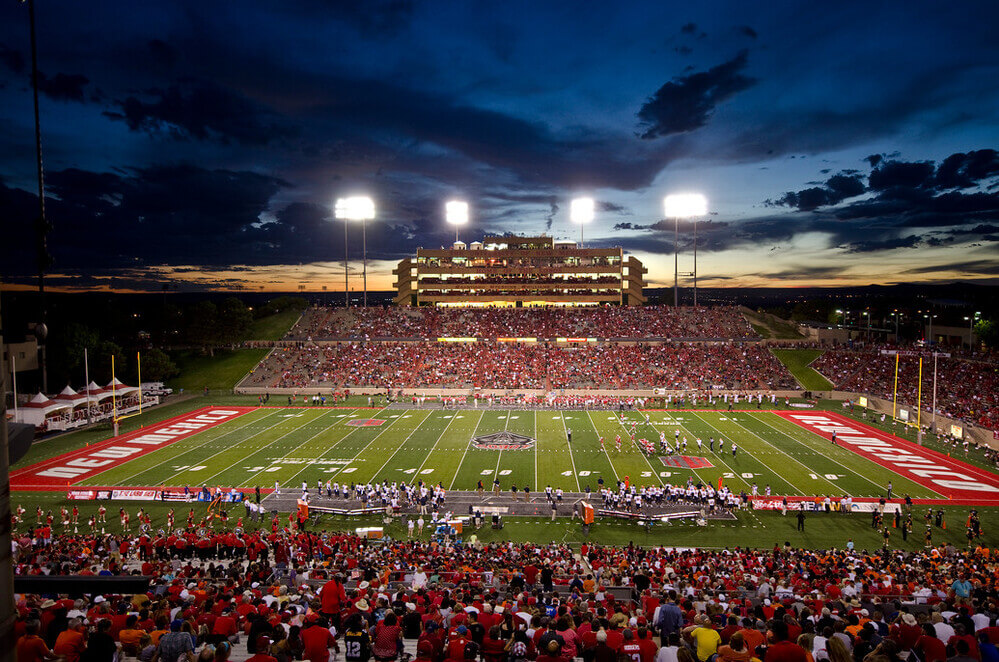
x=204, y=443
x=810, y=434
x=257, y=450
x=655, y=472
x=836, y=488
x=603, y=448
x=720, y=456
x=294, y=450
x=432, y=449
x=341, y=440
x=467, y=446
x=565, y=435
x=403, y=443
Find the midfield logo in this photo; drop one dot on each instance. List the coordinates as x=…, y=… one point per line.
x=503, y=441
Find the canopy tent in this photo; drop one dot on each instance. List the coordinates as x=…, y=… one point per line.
x=72, y=397
x=96, y=392
x=120, y=389
x=40, y=408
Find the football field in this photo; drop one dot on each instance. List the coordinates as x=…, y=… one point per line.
x=268, y=446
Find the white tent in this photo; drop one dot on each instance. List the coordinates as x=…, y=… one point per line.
x=40, y=408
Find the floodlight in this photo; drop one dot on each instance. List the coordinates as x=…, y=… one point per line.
x=456, y=212
x=581, y=210
x=356, y=208
x=685, y=205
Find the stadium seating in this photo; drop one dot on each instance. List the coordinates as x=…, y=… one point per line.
x=966, y=390
x=526, y=366
x=721, y=322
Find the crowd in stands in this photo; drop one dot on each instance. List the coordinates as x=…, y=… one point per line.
x=289, y=594
x=601, y=322
x=522, y=365
x=966, y=390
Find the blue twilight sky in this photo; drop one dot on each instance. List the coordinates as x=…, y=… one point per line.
x=202, y=143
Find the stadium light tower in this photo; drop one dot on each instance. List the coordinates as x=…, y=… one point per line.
x=456, y=213
x=358, y=208
x=581, y=213
x=677, y=206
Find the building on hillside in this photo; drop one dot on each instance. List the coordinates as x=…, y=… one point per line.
x=519, y=271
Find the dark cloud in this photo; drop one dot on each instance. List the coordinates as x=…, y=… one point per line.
x=802, y=272
x=202, y=111
x=747, y=31
x=606, y=205
x=63, y=87
x=984, y=267
x=965, y=170
x=687, y=102
x=688, y=28
x=891, y=174
x=837, y=188
x=11, y=59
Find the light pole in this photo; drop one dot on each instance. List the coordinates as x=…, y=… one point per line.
x=929, y=335
x=971, y=329
x=456, y=213
x=868, y=314
x=581, y=213
x=677, y=206
x=895, y=315
x=358, y=208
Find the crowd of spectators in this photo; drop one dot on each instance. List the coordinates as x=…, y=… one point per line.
x=966, y=390
x=724, y=322
x=291, y=594
x=504, y=365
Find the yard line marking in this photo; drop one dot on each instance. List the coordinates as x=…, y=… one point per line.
x=292, y=451
x=443, y=432
x=835, y=488
x=399, y=447
x=202, y=444
x=721, y=456
x=467, y=446
x=699, y=477
x=655, y=473
x=535, y=412
x=205, y=481
x=506, y=426
x=602, y=448
x=565, y=430
x=334, y=474
x=879, y=487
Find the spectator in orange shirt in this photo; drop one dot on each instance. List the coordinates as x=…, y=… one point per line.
x=72, y=641
x=31, y=647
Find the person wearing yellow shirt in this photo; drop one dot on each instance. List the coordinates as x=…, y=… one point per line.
x=703, y=635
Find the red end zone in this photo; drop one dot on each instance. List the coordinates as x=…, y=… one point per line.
x=943, y=474
x=71, y=468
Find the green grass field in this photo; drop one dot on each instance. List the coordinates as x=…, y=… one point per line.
x=798, y=362
x=221, y=371
x=273, y=327
x=289, y=445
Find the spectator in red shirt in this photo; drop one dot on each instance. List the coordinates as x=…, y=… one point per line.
x=317, y=639
x=782, y=650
